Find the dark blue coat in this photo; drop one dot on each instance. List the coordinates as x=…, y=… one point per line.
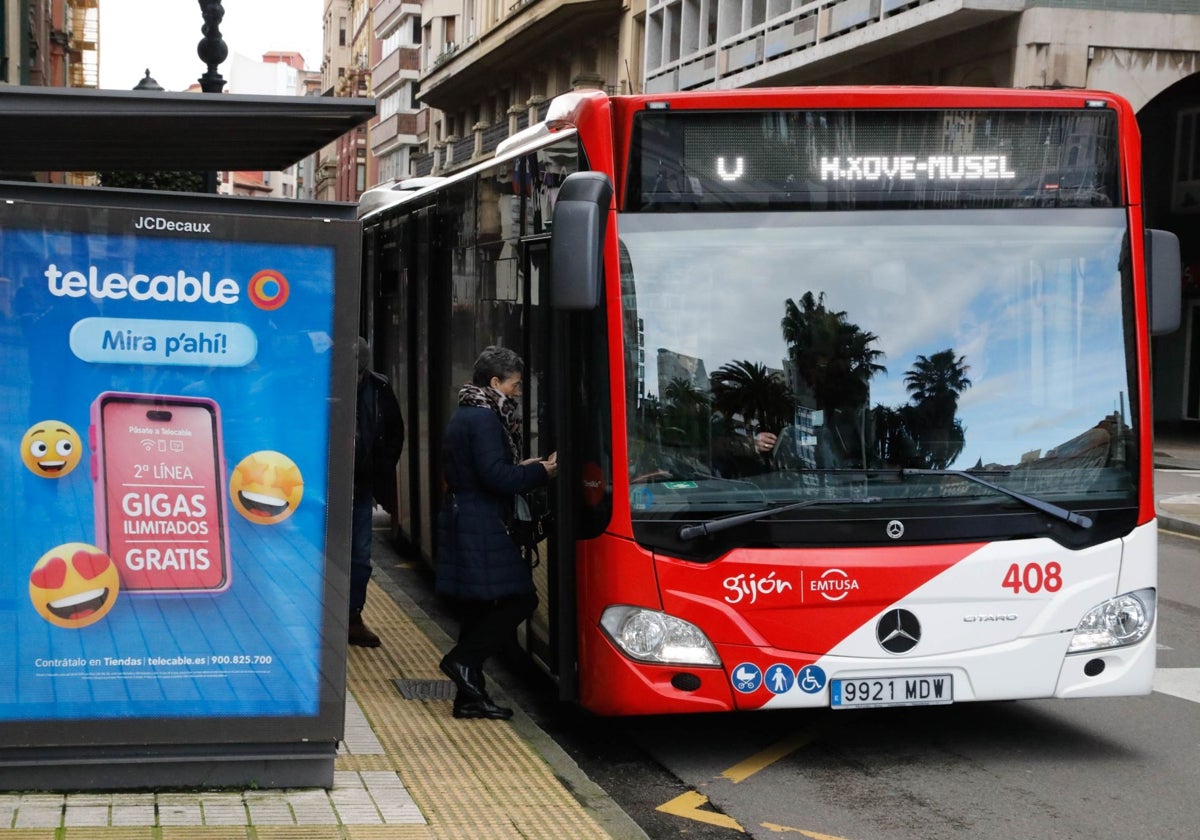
x=476, y=559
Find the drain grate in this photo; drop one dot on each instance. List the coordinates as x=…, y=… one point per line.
x=425, y=689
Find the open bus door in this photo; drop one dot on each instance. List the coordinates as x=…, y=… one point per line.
x=542, y=631
x=579, y=387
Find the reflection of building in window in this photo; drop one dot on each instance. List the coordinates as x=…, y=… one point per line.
x=677, y=367
x=1079, y=462
x=796, y=448
x=806, y=435
x=499, y=231
x=640, y=362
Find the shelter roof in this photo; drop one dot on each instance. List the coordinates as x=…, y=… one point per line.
x=72, y=129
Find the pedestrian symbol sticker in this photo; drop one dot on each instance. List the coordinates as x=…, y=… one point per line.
x=780, y=679
x=811, y=679
x=747, y=677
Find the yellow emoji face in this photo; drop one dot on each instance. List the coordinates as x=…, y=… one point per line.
x=74, y=585
x=266, y=487
x=51, y=449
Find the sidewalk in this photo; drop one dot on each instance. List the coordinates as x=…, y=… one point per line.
x=406, y=769
x=1178, y=511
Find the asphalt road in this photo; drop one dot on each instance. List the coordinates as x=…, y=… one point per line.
x=1037, y=769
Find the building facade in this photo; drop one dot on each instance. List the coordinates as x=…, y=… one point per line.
x=278, y=73
x=50, y=43
x=395, y=73
x=488, y=67
x=335, y=67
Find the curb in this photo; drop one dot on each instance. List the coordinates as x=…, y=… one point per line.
x=1176, y=525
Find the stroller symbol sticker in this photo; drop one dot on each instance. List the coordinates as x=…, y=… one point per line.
x=747, y=677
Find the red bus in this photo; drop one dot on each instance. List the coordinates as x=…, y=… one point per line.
x=849, y=387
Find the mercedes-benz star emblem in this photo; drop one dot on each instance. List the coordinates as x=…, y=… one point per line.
x=895, y=529
x=898, y=631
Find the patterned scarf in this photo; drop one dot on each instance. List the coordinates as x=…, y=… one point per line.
x=508, y=410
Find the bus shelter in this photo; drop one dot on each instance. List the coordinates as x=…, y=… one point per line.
x=178, y=420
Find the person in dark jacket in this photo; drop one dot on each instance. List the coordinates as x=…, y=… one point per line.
x=378, y=441
x=478, y=563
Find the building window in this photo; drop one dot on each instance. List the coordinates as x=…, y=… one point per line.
x=341, y=32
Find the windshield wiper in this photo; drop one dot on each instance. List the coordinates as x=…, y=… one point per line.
x=690, y=532
x=1045, y=507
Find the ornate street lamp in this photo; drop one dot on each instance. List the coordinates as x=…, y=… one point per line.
x=212, y=49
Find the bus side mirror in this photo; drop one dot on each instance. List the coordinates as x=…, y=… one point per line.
x=1164, y=271
x=577, y=240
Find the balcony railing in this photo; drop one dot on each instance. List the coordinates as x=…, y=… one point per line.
x=460, y=151
x=681, y=59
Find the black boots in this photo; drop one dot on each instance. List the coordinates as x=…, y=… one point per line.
x=471, y=699
x=359, y=633
x=481, y=708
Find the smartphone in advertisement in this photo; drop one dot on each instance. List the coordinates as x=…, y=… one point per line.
x=159, y=475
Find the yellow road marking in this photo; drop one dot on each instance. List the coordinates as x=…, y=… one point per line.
x=745, y=769
x=688, y=805
x=780, y=829
x=1166, y=530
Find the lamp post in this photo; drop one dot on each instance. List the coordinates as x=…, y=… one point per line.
x=212, y=49
x=147, y=83
x=212, y=52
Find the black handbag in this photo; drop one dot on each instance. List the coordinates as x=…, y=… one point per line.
x=530, y=519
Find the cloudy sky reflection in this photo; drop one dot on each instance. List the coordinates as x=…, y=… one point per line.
x=1030, y=298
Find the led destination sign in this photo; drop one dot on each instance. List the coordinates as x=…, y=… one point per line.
x=691, y=160
x=910, y=168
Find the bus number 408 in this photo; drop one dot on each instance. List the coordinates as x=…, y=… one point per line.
x=1033, y=577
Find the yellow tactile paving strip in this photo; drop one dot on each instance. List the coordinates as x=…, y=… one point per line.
x=469, y=778
x=475, y=779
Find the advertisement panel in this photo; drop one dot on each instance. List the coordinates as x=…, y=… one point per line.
x=177, y=384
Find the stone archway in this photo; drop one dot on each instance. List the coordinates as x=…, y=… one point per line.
x=1139, y=75
x=1170, y=126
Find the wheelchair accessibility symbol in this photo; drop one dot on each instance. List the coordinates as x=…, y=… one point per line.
x=811, y=679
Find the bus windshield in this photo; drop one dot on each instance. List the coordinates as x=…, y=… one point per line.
x=774, y=357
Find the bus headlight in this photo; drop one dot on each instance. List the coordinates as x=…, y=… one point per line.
x=1120, y=621
x=652, y=636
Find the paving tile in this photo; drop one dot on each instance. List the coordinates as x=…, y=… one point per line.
x=312, y=807
x=133, y=799
x=89, y=799
x=346, y=779
x=34, y=817
x=359, y=738
x=85, y=815
x=355, y=806
x=233, y=813
x=179, y=814
x=274, y=813
x=132, y=814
